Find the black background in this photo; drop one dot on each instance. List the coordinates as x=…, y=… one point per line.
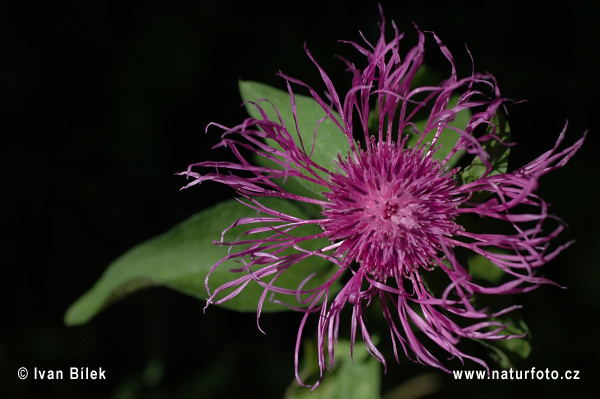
x=102, y=102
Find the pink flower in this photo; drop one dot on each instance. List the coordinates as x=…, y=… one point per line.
x=392, y=209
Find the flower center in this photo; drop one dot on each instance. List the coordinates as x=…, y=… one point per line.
x=390, y=210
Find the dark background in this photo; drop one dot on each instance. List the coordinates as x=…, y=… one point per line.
x=102, y=102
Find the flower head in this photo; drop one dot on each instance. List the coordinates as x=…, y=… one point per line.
x=393, y=208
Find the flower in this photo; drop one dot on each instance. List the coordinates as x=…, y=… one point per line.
x=393, y=208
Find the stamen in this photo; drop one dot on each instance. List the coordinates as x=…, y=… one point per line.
x=390, y=226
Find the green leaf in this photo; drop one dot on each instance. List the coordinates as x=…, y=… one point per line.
x=481, y=268
x=181, y=258
x=330, y=140
x=448, y=137
x=426, y=76
x=357, y=377
x=498, y=152
x=507, y=353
